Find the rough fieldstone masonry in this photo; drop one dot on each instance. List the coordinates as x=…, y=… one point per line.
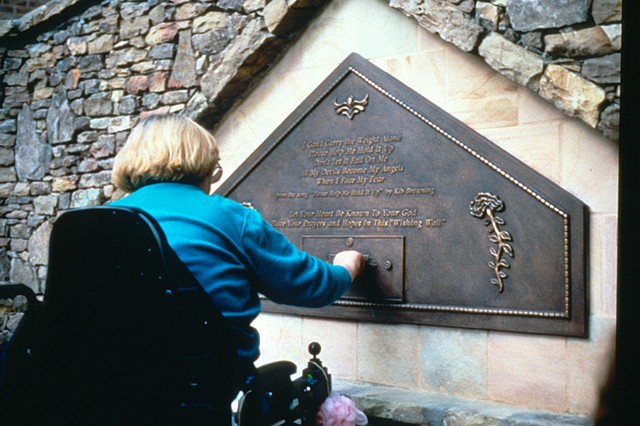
x=77, y=75
x=71, y=94
x=565, y=50
x=16, y=8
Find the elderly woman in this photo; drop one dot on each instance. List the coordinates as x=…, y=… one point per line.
x=168, y=165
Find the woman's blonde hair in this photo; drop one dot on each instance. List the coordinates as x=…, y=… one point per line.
x=165, y=148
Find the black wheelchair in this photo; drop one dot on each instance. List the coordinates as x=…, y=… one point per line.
x=125, y=335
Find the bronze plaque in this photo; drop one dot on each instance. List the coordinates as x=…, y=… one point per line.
x=457, y=232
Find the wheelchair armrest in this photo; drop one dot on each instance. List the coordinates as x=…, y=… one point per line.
x=274, y=374
x=271, y=397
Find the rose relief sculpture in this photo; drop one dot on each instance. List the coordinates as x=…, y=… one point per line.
x=485, y=206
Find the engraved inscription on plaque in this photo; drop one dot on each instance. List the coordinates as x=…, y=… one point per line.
x=456, y=231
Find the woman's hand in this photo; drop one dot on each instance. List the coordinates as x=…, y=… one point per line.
x=353, y=260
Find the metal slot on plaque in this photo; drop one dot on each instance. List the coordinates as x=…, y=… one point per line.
x=382, y=279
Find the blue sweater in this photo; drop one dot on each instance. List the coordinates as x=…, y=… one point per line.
x=235, y=255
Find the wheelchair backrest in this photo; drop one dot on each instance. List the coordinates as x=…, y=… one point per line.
x=128, y=336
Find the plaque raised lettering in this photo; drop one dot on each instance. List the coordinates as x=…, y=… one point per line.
x=457, y=232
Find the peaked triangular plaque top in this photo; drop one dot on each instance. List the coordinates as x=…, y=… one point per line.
x=457, y=232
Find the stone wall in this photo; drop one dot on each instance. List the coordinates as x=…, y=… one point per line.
x=566, y=51
x=12, y=311
x=70, y=93
x=12, y=9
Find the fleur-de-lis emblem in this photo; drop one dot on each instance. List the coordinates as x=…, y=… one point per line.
x=351, y=107
x=486, y=204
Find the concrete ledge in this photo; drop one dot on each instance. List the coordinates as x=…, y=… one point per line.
x=386, y=405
